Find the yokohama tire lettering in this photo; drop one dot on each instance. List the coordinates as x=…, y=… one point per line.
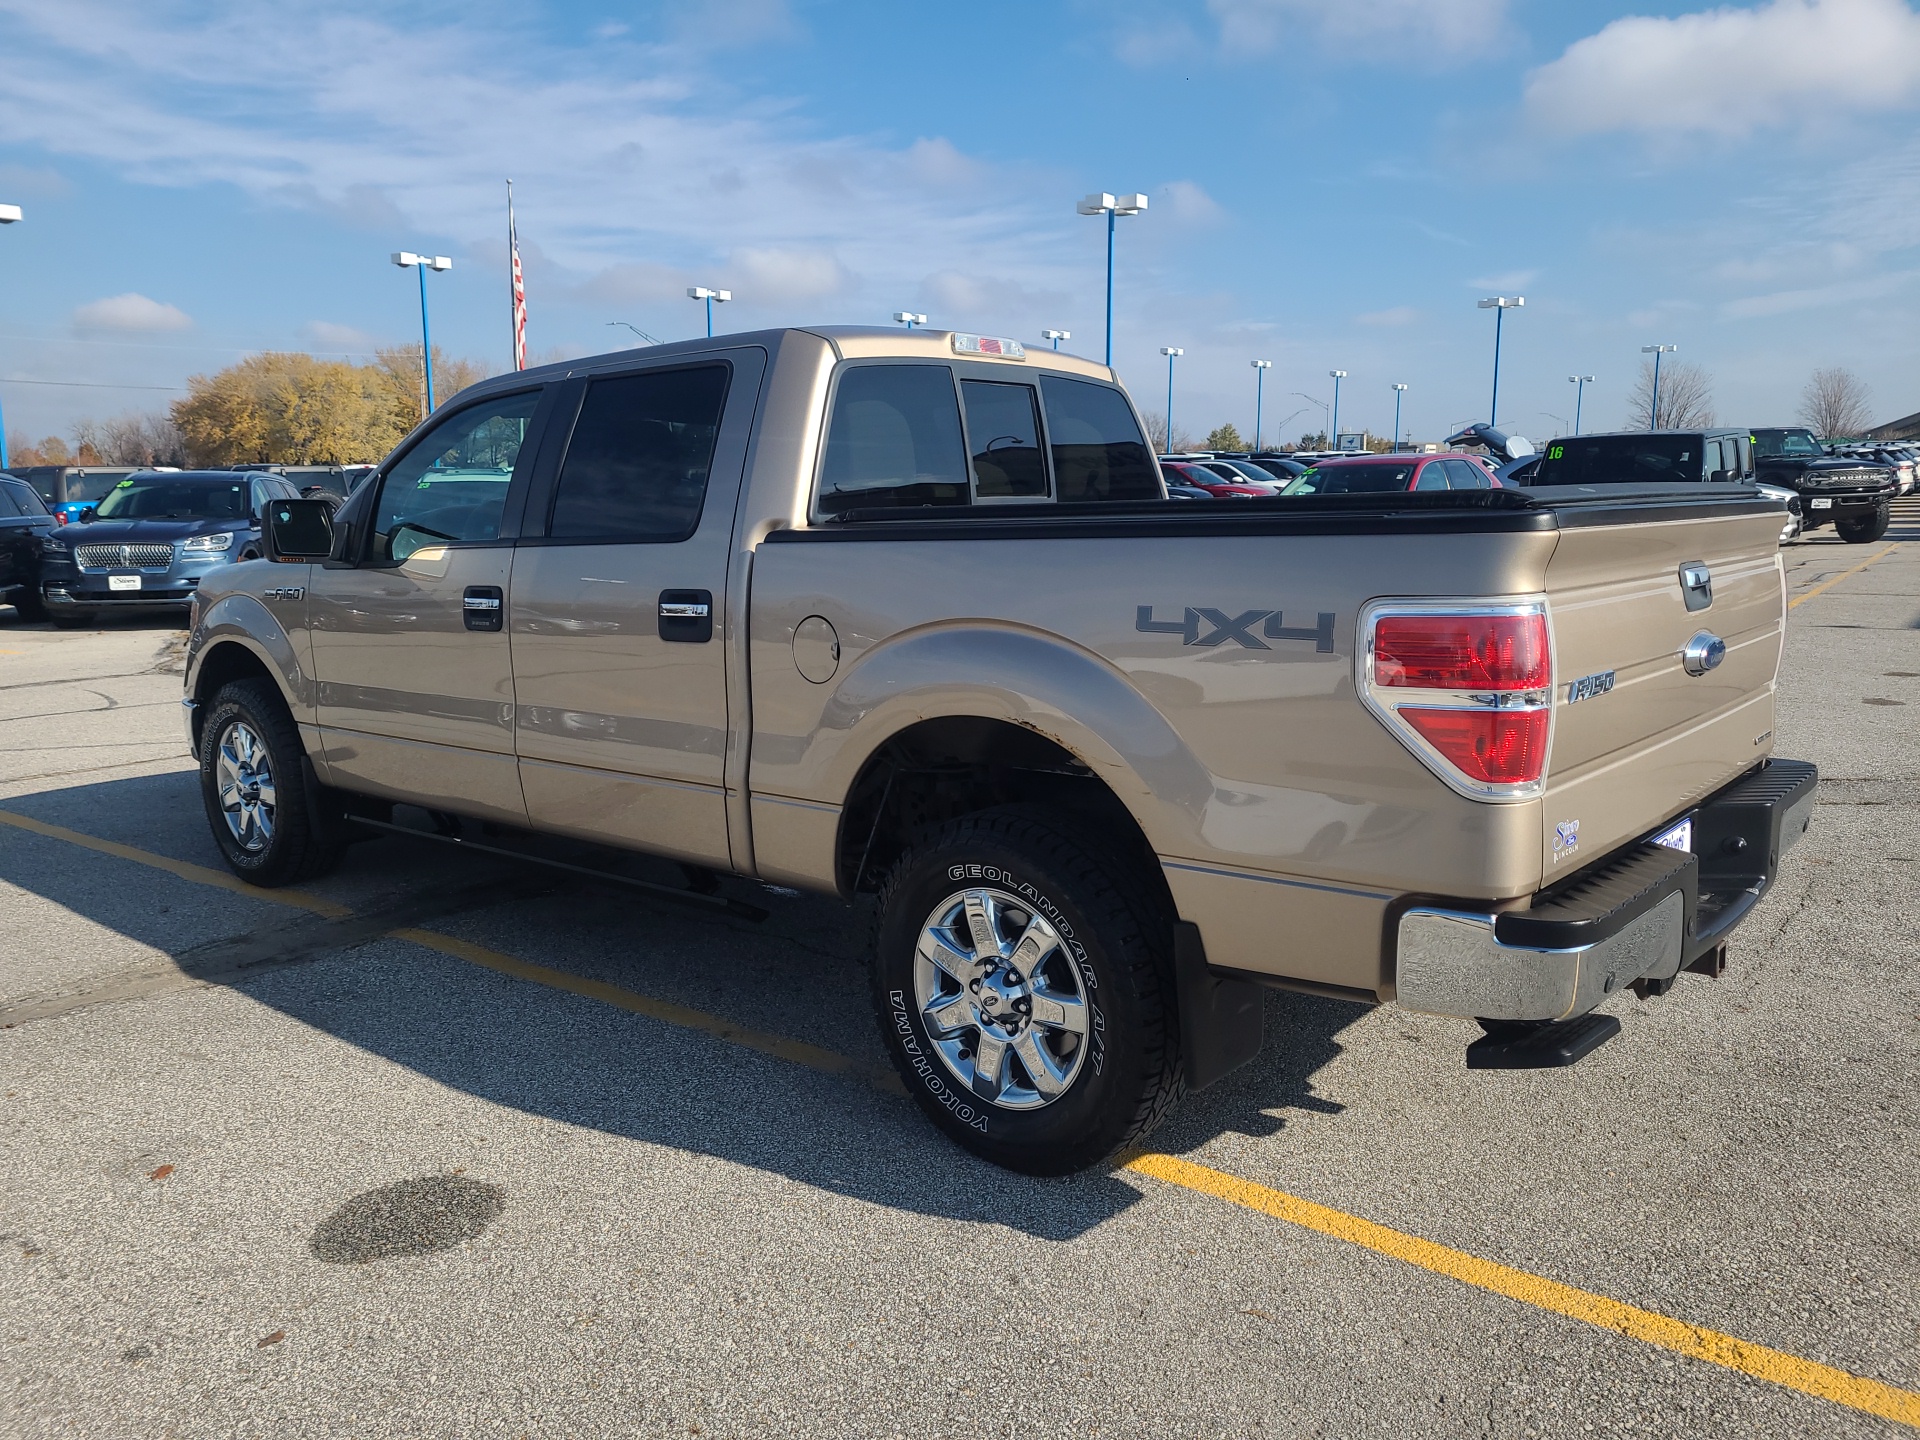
x=924, y=1068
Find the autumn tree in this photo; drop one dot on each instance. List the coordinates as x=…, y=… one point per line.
x=1157, y=434
x=50, y=451
x=1835, y=403
x=149, y=439
x=1686, y=397
x=400, y=365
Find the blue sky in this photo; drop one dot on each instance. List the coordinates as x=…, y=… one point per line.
x=1333, y=184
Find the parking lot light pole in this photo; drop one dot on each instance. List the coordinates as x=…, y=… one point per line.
x=701, y=292
x=1112, y=206
x=905, y=317
x=406, y=260
x=1334, y=424
x=9, y=214
x=1170, y=351
x=1499, y=304
x=1056, y=336
x=1398, y=392
x=1656, y=351
x=1260, y=368
x=1580, y=383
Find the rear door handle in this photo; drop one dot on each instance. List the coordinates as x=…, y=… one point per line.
x=686, y=616
x=483, y=607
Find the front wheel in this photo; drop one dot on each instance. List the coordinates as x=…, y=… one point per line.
x=71, y=619
x=1863, y=532
x=1026, y=1000
x=254, y=790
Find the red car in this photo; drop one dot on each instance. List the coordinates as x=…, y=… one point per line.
x=1379, y=474
x=1183, y=472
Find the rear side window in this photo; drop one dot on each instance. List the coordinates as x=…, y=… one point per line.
x=894, y=439
x=636, y=468
x=1357, y=479
x=1433, y=476
x=9, y=503
x=1098, y=450
x=1652, y=458
x=1465, y=475
x=1003, y=427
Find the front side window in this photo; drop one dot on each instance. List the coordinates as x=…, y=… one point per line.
x=1003, y=429
x=1787, y=442
x=452, y=485
x=28, y=499
x=1098, y=450
x=637, y=466
x=9, y=506
x=893, y=439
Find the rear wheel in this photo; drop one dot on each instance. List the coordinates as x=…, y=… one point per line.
x=252, y=785
x=1862, y=532
x=1027, y=1001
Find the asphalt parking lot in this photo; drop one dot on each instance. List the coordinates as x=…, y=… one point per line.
x=439, y=1147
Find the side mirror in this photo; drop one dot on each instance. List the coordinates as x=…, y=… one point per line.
x=86, y=515
x=299, y=530
x=1719, y=477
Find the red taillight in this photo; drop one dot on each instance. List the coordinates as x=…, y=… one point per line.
x=1495, y=747
x=1461, y=652
x=61, y=516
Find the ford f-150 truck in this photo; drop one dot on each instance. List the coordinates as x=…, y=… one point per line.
x=905, y=617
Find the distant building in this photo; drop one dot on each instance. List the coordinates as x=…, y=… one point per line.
x=1907, y=428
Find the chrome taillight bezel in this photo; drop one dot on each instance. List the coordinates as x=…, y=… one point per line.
x=1386, y=701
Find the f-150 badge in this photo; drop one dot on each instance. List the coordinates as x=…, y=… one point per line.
x=1588, y=686
x=1223, y=627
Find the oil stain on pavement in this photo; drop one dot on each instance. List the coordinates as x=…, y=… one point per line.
x=410, y=1217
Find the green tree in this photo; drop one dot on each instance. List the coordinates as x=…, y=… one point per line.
x=1225, y=437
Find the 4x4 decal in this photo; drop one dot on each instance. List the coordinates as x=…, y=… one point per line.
x=1237, y=628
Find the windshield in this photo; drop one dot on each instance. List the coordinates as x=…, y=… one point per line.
x=1653, y=458
x=168, y=499
x=1786, y=442
x=1369, y=479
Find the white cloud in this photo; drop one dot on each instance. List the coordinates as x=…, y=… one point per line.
x=1509, y=280
x=1733, y=70
x=782, y=276
x=1188, y=204
x=1452, y=26
x=130, y=312
x=634, y=163
x=339, y=339
x=1398, y=315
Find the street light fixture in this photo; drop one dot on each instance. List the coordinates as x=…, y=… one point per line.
x=1170, y=351
x=1056, y=336
x=1580, y=383
x=9, y=214
x=701, y=292
x=909, y=319
x=1260, y=368
x=1334, y=424
x=1112, y=206
x=648, y=339
x=1324, y=426
x=1656, y=351
x=407, y=260
x=1499, y=304
x=1398, y=392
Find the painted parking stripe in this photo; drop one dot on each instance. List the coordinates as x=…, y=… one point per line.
x=1828, y=584
x=1777, y=1367
x=1694, y=1341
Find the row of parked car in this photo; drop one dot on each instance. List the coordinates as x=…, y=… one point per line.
x=1850, y=486
x=67, y=490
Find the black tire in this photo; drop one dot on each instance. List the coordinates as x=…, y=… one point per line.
x=1864, y=532
x=289, y=847
x=30, y=607
x=1117, y=953
x=72, y=619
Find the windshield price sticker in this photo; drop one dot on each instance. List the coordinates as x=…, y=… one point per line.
x=1680, y=837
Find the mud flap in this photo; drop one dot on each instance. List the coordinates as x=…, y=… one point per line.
x=1222, y=1018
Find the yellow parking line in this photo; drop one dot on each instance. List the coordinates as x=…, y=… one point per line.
x=1827, y=585
x=185, y=870
x=1695, y=1341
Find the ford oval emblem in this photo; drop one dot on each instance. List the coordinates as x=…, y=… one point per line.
x=1703, y=652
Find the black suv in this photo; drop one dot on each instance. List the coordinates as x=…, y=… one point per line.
x=1855, y=494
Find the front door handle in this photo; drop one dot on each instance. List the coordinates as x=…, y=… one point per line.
x=686, y=616
x=483, y=607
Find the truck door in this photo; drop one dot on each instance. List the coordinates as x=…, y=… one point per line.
x=619, y=608
x=415, y=692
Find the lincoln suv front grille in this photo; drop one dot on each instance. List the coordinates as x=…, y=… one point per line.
x=123, y=557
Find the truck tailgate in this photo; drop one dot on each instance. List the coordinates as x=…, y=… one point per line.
x=1637, y=738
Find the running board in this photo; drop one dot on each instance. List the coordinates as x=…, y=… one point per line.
x=1545, y=1045
x=720, y=903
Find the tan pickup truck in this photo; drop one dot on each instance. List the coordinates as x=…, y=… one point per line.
x=908, y=616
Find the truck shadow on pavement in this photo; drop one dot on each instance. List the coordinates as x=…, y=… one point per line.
x=544, y=1052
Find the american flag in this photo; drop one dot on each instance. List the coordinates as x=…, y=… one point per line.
x=519, y=289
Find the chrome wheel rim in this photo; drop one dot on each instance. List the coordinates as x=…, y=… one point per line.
x=245, y=779
x=1003, y=1002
